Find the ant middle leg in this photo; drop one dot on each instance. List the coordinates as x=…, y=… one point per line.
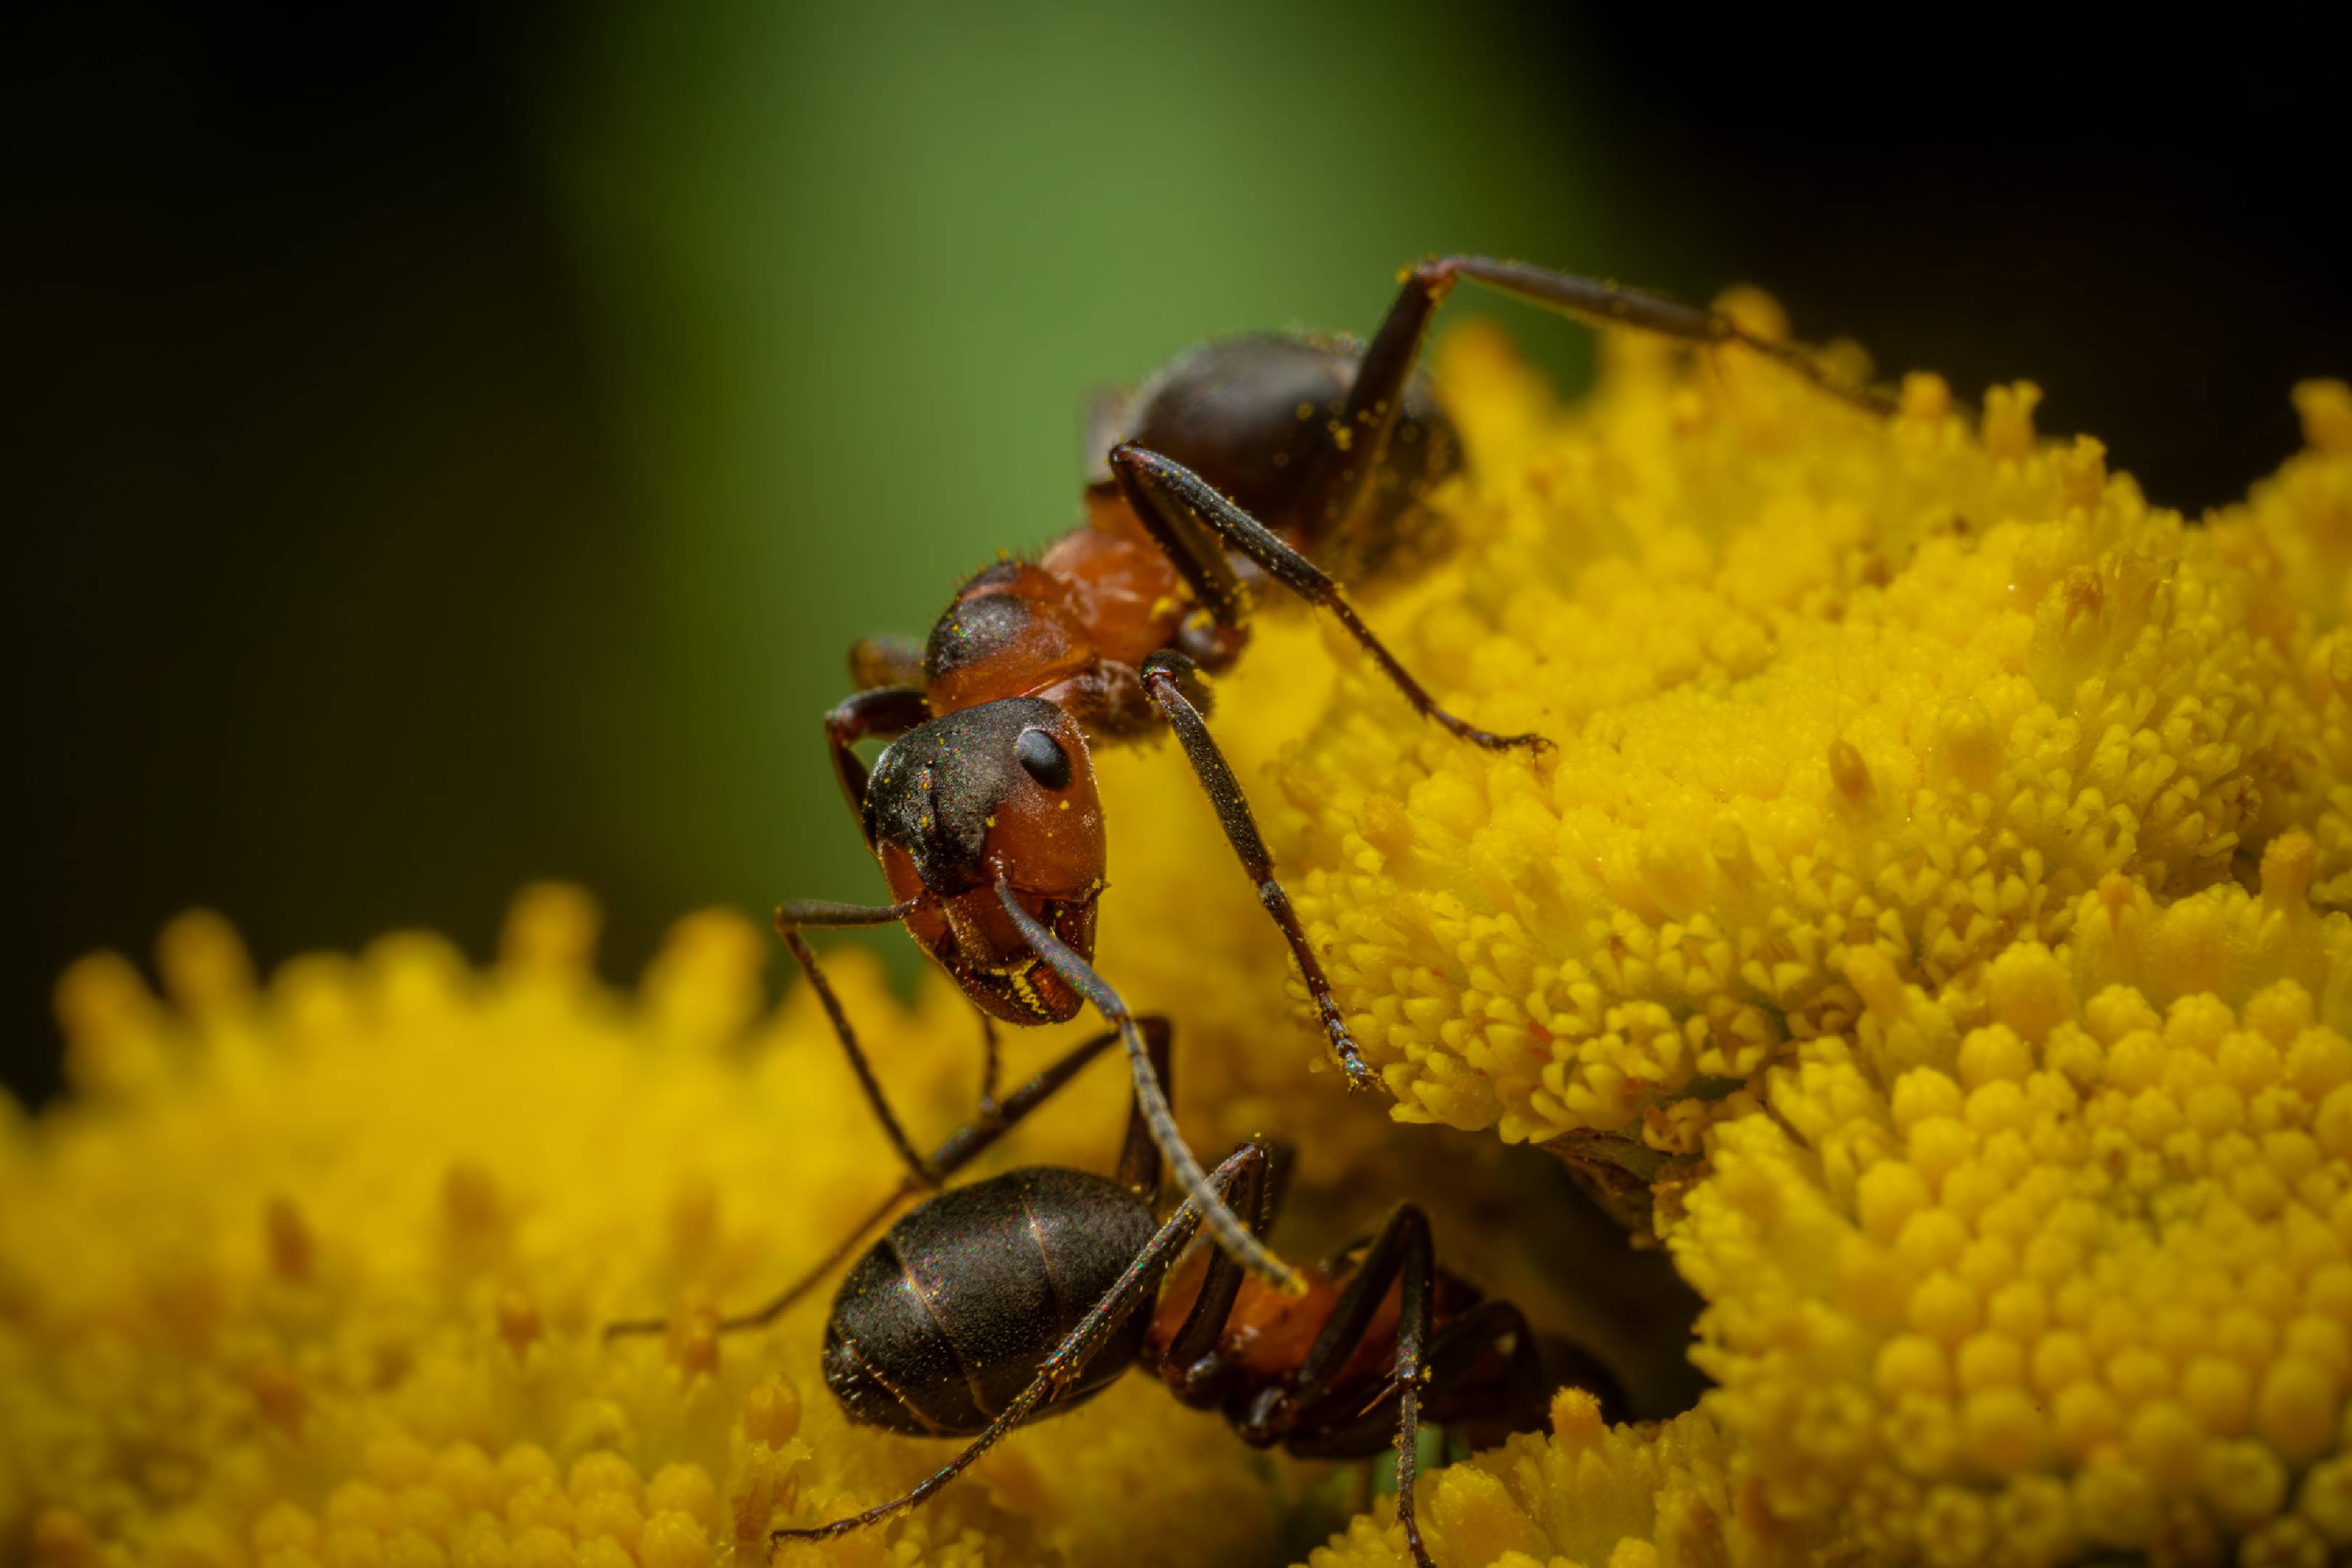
x=960, y=1147
x=1178, y=507
x=1165, y=676
x=1132, y=1292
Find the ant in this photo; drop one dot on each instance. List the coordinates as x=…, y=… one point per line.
x=1280, y=449
x=1016, y=1298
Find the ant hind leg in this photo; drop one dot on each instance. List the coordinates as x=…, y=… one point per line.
x=1257, y=1194
x=1370, y=415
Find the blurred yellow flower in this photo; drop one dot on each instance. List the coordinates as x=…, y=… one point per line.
x=314, y=1274
x=1932, y=903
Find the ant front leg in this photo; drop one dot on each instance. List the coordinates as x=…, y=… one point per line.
x=1177, y=506
x=1164, y=679
x=1129, y=1293
x=1490, y=1375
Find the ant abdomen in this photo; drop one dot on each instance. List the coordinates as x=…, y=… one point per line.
x=946, y=1318
x=1254, y=416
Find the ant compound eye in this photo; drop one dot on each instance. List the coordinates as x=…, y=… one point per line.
x=1043, y=757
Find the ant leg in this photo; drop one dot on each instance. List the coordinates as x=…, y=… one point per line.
x=1258, y=1195
x=877, y=662
x=879, y=713
x=790, y=917
x=962, y=1146
x=1165, y=675
x=1070, y=1357
x=1489, y=1374
x=1400, y=1251
x=991, y=1064
x=1370, y=415
x=1182, y=535
x=1180, y=504
x=1151, y=1100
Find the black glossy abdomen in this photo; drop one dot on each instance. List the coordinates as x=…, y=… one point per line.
x=946, y=1318
x=1231, y=411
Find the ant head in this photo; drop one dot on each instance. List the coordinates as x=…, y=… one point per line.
x=1001, y=792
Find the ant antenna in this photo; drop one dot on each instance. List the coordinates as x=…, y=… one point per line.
x=1151, y=1102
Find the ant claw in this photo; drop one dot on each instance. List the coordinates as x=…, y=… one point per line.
x=1486, y=740
x=1352, y=1066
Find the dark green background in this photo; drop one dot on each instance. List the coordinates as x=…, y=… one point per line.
x=454, y=446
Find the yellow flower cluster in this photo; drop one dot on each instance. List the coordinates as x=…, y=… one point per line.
x=1819, y=686
x=1933, y=899
x=2081, y=1279
x=312, y=1276
x=1886, y=908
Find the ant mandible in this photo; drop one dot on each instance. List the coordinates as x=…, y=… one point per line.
x=982, y=810
x=1014, y=1298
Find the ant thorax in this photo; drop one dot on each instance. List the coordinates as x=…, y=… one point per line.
x=1073, y=627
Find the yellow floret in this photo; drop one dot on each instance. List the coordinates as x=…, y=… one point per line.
x=1590, y=1496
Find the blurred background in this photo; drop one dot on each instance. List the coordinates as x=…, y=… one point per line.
x=454, y=445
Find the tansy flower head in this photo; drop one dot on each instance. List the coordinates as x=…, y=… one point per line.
x=1927, y=924
x=1933, y=901
x=313, y=1276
